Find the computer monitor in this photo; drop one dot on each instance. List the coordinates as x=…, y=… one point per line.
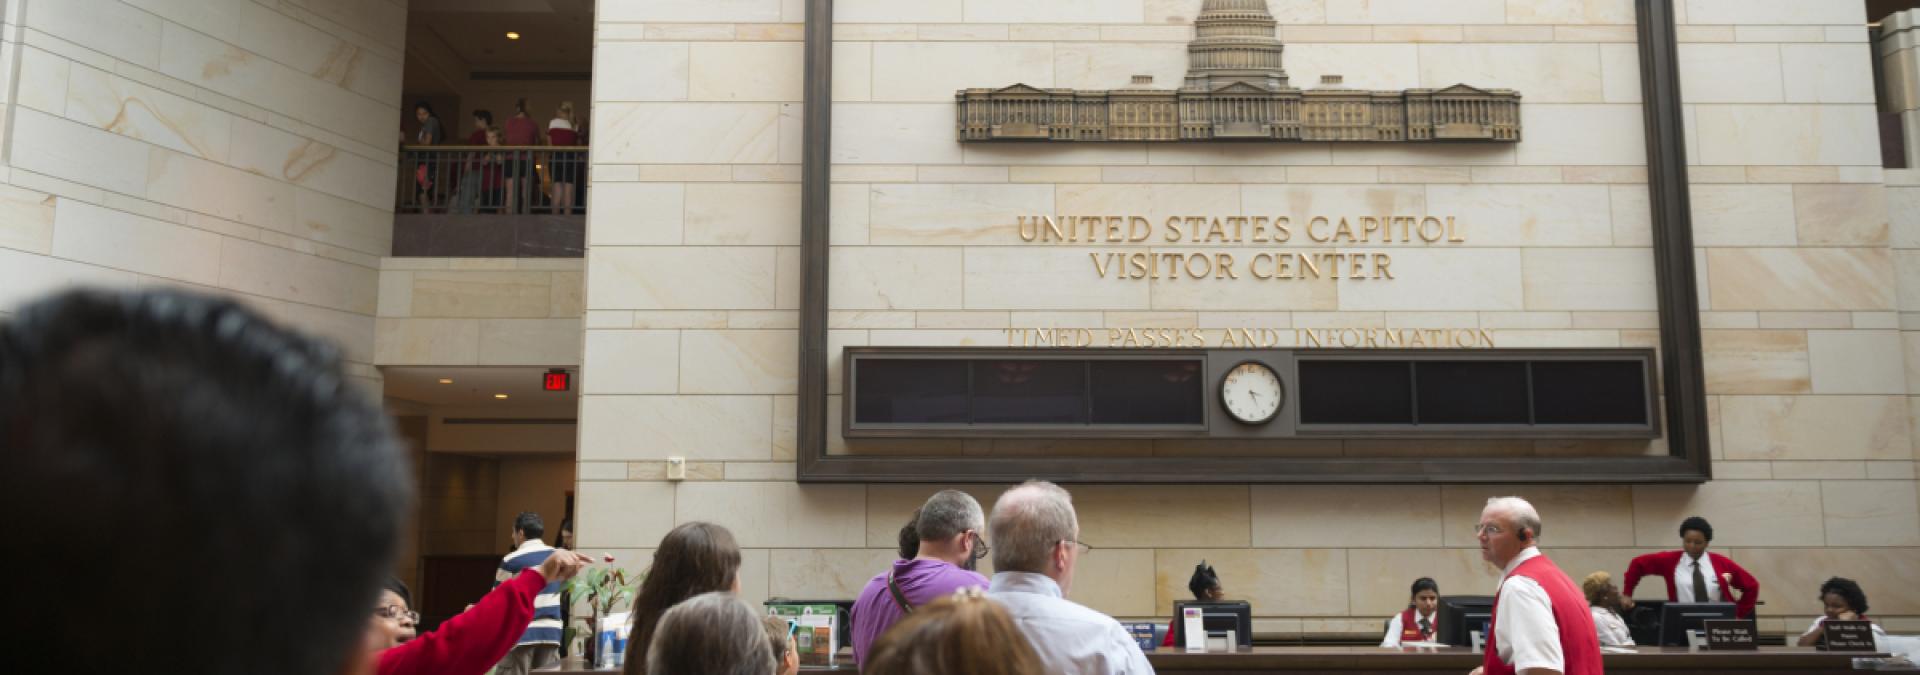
x=1233, y=615
x=1462, y=614
x=1676, y=618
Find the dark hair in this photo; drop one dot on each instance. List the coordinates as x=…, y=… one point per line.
x=422, y=104
x=1204, y=579
x=964, y=634
x=693, y=558
x=1697, y=524
x=710, y=634
x=185, y=428
x=484, y=115
x=529, y=525
x=1424, y=584
x=520, y=106
x=1849, y=591
x=400, y=588
x=910, y=537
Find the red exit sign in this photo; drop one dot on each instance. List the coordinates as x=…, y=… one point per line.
x=557, y=380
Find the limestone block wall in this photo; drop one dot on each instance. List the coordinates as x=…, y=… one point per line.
x=479, y=312
x=692, y=281
x=240, y=146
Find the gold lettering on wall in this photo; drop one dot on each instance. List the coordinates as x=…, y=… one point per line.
x=1266, y=264
x=1254, y=338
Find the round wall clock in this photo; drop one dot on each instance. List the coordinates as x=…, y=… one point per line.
x=1252, y=393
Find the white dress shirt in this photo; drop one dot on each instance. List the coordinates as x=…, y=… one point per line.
x=1396, y=627
x=1613, y=631
x=1070, y=638
x=1524, y=630
x=1683, y=579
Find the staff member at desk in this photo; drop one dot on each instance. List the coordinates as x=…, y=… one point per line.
x=1205, y=586
x=1693, y=574
x=1541, y=625
x=1843, y=601
x=1418, y=623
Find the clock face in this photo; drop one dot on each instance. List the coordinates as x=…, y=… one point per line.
x=1252, y=393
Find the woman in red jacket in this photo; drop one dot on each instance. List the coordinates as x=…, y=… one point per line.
x=471, y=643
x=1693, y=574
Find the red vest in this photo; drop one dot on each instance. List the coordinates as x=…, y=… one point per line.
x=1410, y=627
x=1579, y=642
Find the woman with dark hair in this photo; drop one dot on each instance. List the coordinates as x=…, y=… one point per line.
x=710, y=634
x=692, y=559
x=910, y=538
x=1205, y=587
x=1421, y=620
x=1843, y=601
x=1694, y=575
x=1603, y=600
x=431, y=133
x=965, y=634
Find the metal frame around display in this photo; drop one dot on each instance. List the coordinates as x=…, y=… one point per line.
x=1683, y=380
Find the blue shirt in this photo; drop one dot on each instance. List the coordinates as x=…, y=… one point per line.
x=546, y=627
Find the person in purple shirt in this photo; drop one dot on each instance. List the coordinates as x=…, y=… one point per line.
x=949, y=527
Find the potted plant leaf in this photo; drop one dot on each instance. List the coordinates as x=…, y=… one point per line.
x=604, y=589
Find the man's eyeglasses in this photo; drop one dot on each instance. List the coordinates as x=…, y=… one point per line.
x=1083, y=546
x=396, y=612
x=980, y=547
x=1488, y=529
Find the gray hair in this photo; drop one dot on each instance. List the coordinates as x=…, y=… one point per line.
x=1518, y=511
x=948, y=513
x=711, y=634
x=1029, y=520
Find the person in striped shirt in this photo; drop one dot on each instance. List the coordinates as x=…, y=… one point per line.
x=539, y=647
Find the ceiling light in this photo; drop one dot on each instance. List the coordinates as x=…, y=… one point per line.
x=512, y=35
x=446, y=381
x=499, y=395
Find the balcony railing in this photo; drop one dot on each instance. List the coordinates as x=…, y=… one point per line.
x=491, y=201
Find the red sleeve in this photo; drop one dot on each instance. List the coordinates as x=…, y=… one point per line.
x=1642, y=566
x=471, y=643
x=1749, y=585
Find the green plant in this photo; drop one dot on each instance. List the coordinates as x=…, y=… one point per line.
x=604, y=589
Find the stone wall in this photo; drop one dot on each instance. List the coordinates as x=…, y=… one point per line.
x=479, y=312
x=240, y=146
x=693, y=287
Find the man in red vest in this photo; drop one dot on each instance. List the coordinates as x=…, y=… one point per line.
x=1540, y=624
x=1694, y=575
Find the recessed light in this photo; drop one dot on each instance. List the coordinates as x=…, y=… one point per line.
x=446, y=381
x=512, y=35
x=499, y=395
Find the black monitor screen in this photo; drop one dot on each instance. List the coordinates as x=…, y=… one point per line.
x=1147, y=392
x=911, y=391
x=1462, y=614
x=1676, y=618
x=1356, y=392
x=1233, y=615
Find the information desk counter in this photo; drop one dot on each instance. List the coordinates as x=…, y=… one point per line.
x=1457, y=661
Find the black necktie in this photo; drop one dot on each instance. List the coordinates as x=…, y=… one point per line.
x=1699, y=583
x=1426, y=628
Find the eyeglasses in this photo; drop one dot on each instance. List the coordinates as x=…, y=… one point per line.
x=396, y=612
x=1488, y=529
x=980, y=547
x=1084, y=546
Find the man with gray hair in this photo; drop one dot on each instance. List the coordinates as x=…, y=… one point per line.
x=949, y=527
x=1540, y=623
x=1036, y=548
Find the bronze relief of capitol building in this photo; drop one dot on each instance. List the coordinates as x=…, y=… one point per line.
x=1237, y=90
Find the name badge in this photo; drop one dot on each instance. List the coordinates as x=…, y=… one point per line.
x=1849, y=636
x=1731, y=635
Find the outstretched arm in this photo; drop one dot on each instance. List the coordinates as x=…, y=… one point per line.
x=471, y=643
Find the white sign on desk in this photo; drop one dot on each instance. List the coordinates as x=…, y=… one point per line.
x=1193, y=628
